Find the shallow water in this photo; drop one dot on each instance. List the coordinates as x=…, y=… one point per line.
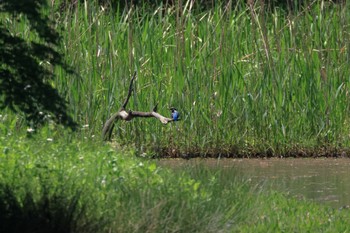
x=325, y=180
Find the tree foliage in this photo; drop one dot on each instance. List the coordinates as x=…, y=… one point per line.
x=27, y=64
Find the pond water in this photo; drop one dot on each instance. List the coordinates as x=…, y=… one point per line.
x=325, y=180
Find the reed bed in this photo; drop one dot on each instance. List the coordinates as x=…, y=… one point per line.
x=248, y=80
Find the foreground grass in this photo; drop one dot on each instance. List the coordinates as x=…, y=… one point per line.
x=79, y=185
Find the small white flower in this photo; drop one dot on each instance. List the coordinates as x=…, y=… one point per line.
x=30, y=130
x=103, y=182
x=49, y=139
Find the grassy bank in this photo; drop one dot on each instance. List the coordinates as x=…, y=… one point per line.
x=54, y=185
x=247, y=81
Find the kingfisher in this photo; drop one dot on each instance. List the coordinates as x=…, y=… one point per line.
x=174, y=114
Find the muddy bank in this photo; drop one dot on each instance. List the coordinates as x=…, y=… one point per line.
x=234, y=152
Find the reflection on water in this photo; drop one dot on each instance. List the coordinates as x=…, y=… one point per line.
x=325, y=180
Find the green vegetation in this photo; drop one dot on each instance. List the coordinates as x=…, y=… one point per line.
x=246, y=80
x=55, y=185
x=27, y=63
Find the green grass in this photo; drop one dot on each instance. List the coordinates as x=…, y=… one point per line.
x=60, y=185
x=247, y=81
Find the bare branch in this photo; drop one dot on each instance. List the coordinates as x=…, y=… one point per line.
x=130, y=91
x=122, y=114
x=162, y=119
x=108, y=127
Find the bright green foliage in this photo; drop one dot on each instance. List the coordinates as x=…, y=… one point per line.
x=84, y=186
x=88, y=187
x=278, y=214
x=246, y=81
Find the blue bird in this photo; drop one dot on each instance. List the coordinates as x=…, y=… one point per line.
x=174, y=114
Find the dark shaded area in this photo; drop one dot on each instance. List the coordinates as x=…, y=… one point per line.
x=324, y=151
x=54, y=214
x=27, y=66
x=198, y=5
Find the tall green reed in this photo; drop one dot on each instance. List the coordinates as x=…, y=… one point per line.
x=245, y=79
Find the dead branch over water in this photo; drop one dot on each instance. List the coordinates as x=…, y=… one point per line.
x=122, y=114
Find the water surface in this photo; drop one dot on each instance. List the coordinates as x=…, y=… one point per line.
x=325, y=180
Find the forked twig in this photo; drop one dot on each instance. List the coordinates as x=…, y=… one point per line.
x=130, y=90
